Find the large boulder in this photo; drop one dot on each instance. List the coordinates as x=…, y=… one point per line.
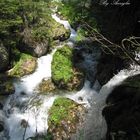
x=64, y=116
x=4, y=57
x=108, y=66
x=27, y=44
x=64, y=74
x=122, y=112
x=25, y=66
x=36, y=40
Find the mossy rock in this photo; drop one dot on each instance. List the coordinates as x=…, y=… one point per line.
x=46, y=86
x=64, y=74
x=26, y=65
x=48, y=28
x=38, y=38
x=6, y=85
x=64, y=116
x=58, y=31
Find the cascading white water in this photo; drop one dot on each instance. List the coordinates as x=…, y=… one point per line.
x=26, y=107
x=94, y=127
x=27, y=113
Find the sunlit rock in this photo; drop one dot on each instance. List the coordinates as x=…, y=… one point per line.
x=64, y=74
x=46, y=86
x=64, y=116
x=26, y=65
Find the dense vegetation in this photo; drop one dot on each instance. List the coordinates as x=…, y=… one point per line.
x=27, y=26
x=78, y=13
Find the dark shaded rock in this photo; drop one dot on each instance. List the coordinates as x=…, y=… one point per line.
x=24, y=123
x=4, y=57
x=1, y=106
x=108, y=66
x=1, y=127
x=86, y=57
x=2, y=117
x=6, y=85
x=122, y=112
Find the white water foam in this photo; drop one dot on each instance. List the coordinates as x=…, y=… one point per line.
x=28, y=83
x=26, y=112
x=94, y=127
x=25, y=108
x=25, y=105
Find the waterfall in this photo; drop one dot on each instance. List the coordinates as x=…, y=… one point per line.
x=94, y=127
x=26, y=112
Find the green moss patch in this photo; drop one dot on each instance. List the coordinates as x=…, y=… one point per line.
x=60, y=110
x=64, y=116
x=24, y=66
x=62, y=65
x=64, y=74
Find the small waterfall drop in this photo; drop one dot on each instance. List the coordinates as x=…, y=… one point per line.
x=26, y=112
x=94, y=127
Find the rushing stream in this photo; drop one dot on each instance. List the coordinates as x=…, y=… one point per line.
x=26, y=112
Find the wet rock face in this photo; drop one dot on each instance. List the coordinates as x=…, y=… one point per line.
x=4, y=57
x=122, y=112
x=1, y=106
x=1, y=121
x=108, y=66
